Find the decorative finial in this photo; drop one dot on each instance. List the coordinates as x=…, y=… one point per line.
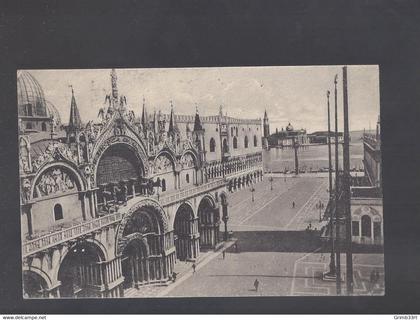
x=196, y=108
x=328, y=93
x=335, y=79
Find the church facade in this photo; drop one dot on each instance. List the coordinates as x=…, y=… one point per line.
x=113, y=204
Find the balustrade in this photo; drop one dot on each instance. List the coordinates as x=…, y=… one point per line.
x=55, y=238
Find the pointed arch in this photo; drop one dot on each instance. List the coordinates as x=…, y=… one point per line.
x=212, y=145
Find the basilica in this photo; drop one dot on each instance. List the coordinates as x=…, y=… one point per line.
x=114, y=203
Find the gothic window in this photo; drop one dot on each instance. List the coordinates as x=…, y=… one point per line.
x=212, y=145
x=29, y=110
x=44, y=126
x=246, y=142
x=225, y=146
x=236, y=131
x=235, y=143
x=58, y=212
x=187, y=178
x=231, y=131
x=366, y=226
x=255, y=141
x=355, y=228
x=163, y=185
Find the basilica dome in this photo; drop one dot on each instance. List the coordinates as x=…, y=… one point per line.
x=289, y=127
x=53, y=113
x=30, y=96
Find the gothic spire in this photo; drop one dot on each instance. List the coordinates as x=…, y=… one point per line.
x=144, y=118
x=197, y=121
x=114, y=88
x=171, y=119
x=75, y=121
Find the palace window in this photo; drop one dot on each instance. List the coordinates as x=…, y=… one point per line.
x=366, y=226
x=255, y=141
x=44, y=126
x=187, y=178
x=58, y=212
x=377, y=230
x=163, y=185
x=212, y=145
x=235, y=143
x=236, y=131
x=355, y=228
x=231, y=131
x=246, y=142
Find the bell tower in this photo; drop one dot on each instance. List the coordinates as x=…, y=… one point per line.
x=266, y=125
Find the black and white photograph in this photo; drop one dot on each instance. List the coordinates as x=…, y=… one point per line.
x=201, y=182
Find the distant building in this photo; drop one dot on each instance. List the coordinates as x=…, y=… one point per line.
x=286, y=138
x=321, y=137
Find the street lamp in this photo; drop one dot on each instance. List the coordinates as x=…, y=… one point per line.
x=252, y=192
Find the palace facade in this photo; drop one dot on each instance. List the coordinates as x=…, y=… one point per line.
x=367, y=200
x=113, y=204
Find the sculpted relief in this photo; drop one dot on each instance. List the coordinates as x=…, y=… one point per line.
x=53, y=181
x=187, y=161
x=162, y=164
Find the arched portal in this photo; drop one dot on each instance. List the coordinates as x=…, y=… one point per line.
x=208, y=223
x=118, y=174
x=142, y=242
x=80, y=271
x=34, y=286
x=134, y=263
x=186, y=235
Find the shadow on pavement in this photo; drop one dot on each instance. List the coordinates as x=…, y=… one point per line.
x=260, y=275
x=288, y=241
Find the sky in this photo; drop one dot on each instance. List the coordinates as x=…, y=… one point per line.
x=289, y=94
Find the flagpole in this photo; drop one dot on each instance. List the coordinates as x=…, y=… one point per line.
x=337, y=195
x=346, y=187
x=332, y=258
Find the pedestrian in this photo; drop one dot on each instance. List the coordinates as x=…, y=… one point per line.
x=256, y=285
x=376, y=277
x=223, y=254
x=293, y=204
x=193, y=266
x=372, y=280
x=174, y=274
